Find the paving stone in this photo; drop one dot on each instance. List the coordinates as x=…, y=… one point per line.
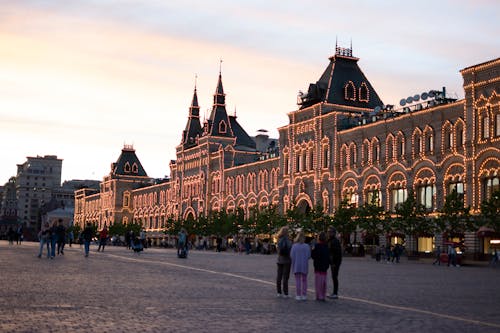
x=117, y=290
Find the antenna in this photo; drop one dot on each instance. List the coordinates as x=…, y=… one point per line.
x=195, y=80
x=220, y=66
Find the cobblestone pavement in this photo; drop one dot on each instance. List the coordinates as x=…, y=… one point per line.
x=119, y=291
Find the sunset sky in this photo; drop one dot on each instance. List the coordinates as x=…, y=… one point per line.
x=81, y=78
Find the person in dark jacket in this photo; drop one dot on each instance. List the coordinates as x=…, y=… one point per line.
x=61, y=237
x=321, y=261
x=283, y=262
x=335, y=251
x=87, y=234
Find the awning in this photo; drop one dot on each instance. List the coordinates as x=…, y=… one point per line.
x=487, y=232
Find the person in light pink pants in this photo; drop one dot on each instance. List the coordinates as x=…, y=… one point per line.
x=300, y=255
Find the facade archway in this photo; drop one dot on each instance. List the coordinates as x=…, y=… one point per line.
x=304, y=204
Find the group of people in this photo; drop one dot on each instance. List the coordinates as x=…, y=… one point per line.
x=55, y=236
x=52, y=236
x=326, y=253
x=15, y=235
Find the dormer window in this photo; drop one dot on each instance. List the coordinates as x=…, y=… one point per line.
x=364, y=94
x=126, y=168
x=222, y=127
x=135, y=168
x=350, y=91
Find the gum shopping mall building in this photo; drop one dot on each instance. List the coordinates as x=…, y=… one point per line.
x=341, y=143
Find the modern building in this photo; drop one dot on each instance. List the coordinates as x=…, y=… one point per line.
x=36, y=190
x=342, y=142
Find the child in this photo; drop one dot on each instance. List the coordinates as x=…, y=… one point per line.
x=300, y=255
x=321, y=257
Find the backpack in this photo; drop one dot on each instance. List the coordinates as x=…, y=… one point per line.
x=284, y=250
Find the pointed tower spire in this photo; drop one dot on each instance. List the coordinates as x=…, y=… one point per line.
x=218, y=122
x=193, y=126
x=219, y=96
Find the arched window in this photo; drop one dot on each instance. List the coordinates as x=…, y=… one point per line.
x=350, y=91
x=303, y=161
x=375, y=151
x=390, y=149
x=364, y=95
x=417, y=143
x=311, y=159
x=365, y=153
x=135, y=168
x=353, y=155
x=400, y=146
x=447, y=137
x=126, y=168
x=222, y=127
x=497, y=124
x=486, y=126
x=325, y=156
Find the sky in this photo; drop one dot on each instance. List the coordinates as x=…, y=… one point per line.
x=81, y=78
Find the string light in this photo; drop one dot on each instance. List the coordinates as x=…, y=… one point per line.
x=310, y=156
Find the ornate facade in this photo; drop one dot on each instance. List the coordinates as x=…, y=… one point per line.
x=342, y=142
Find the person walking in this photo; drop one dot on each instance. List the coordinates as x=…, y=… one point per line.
x=438, y=256
x=103, y=238
x=335, y=251
x=43, y=237
x=300, y=254
x=321, y=261
x=283, y=262
x=142, y=237
x=61, y=237
x=494, y=258
x=53, y=239
x=452, y=256
x=20, y=235
x=11, y=234
x=87, y=237
x=182, y=243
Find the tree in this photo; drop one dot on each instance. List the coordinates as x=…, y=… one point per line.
x=371, y=217
x=343, y=220
x=410, y=219
x=490, y=211
x=455, y=218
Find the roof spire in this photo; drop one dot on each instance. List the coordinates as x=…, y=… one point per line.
x=220, y=66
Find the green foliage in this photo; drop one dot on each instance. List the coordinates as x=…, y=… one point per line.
x=371, y=218
x=76, y=229
x=121, y=229
x=490, y=211
x=344, y=218
x=455, y=219
x=410, y=218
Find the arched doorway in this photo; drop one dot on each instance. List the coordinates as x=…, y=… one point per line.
x=303, y=206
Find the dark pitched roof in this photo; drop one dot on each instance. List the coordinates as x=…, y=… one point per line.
x=342, y=71
x=128, y=164
x=242, y=137
x=219, y=124
x=193, y=126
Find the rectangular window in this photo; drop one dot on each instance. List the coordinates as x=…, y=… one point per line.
x=497, y=123
x=374, y=197
x=352, y=198
x=486, y=127
x=459, y=187
x=398, y=197
x=491, y=185
x=426, y=196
